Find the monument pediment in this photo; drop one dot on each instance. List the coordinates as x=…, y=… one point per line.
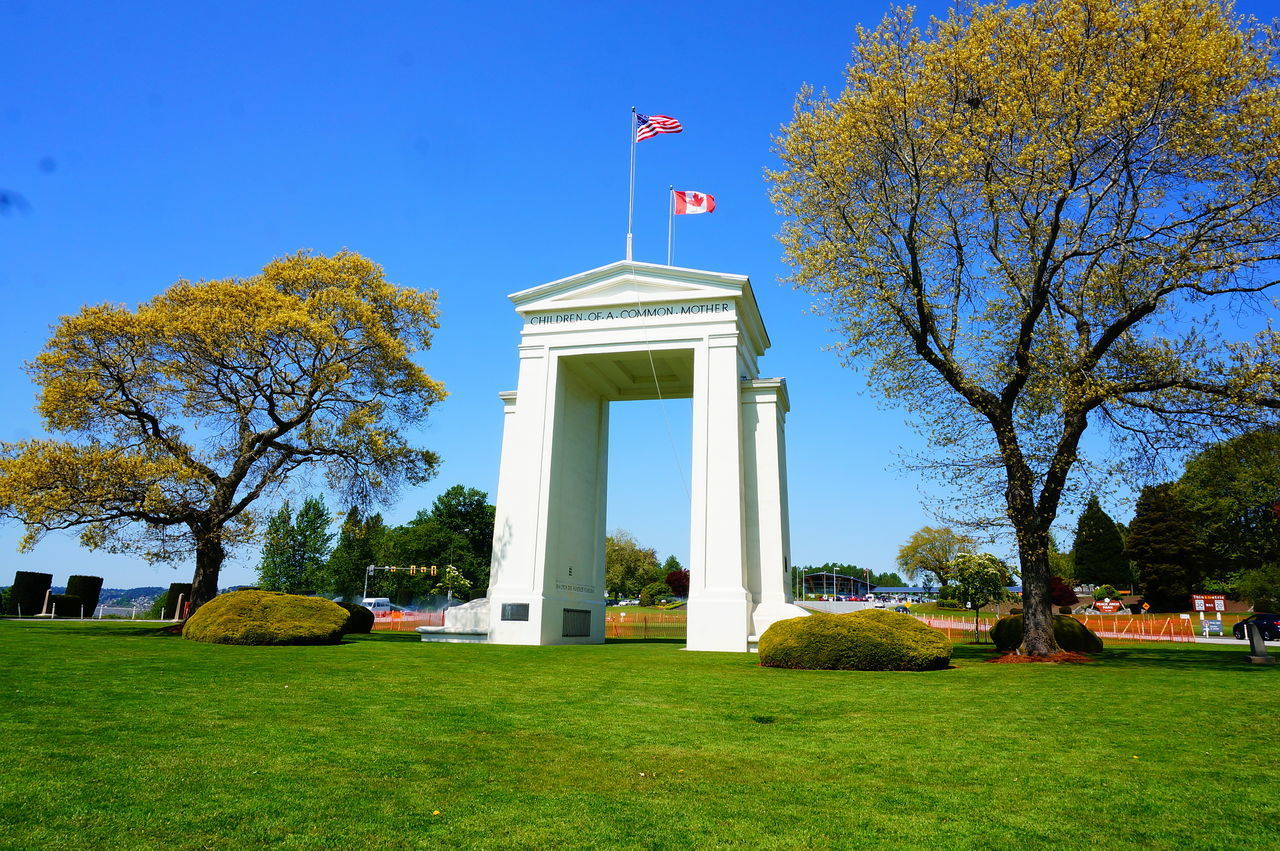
x=626, y=283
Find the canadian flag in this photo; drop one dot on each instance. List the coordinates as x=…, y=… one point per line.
x=688, y=203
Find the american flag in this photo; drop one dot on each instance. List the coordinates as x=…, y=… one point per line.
x=652, y=125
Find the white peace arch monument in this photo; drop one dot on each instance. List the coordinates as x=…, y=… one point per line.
x=630, y=331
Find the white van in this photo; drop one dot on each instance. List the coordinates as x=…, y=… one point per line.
x=377, y=605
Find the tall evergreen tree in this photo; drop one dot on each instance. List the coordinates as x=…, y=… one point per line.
x=276, y=565
x=1164, y=542
x=349, y=562
x=296, y=548
x=1099, y=557
x=311, y=540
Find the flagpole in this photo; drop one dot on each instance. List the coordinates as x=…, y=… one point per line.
x=631, y=187
x=671, y=217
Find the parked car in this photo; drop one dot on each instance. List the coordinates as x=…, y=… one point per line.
x=1268, y=625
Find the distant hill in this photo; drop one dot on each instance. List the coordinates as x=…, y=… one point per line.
x=131, y=596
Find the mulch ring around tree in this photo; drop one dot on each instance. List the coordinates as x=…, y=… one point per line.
x=1016, y=658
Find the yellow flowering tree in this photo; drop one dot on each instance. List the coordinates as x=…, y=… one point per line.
x=174, y=418
x=1026, y=220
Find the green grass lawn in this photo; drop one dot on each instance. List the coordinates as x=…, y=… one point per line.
x=116, y=736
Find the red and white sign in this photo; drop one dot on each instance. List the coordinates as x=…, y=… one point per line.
x=688, y=203
x=1107, y=607
x=1209, y=602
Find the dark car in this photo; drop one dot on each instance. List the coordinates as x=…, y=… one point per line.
x=1268, y=625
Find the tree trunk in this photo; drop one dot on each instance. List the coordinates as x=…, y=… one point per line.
x=209, y=557
x=1037, y=608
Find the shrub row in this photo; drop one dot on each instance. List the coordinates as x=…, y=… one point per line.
x=67, y=606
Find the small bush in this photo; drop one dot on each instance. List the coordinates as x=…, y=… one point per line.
x=1060, y=593
x=359, y=618
x=266, y=618
x=1105, y=592
x=653, y=592
x=1070, y=634
x=866, y=640
x=66, y=605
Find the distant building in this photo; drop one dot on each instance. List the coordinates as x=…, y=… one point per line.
x=836, y=585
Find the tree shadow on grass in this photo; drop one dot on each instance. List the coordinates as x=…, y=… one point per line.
x=1181, y=657
x=1173, y=656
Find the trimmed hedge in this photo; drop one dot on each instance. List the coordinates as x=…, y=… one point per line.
x=66, y=605
x=266, y=618
x=1070, y=634
x=177, y=590
x=359, y=618
x=26, y=595
x=88, y=589
x=866, y=640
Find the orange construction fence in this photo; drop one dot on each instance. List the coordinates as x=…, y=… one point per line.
x=406, y=621
x=1130, y=628
x=646, y=625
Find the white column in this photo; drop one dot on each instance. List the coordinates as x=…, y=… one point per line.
x=719, y=604
x=764, y=407
x=520, y=509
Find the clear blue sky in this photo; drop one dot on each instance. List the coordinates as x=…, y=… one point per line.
x=474, y=148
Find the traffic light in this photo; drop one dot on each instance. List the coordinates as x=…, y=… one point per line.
x=433, y=570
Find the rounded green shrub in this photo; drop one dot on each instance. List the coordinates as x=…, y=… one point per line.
x=266, y=618
x=867, y=640
x=653, y=592
x=359, y=618
x=1070, y=634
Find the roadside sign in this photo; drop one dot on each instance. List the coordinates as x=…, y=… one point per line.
x=1211, y=626
x=1108, y=607
x=1209, y=602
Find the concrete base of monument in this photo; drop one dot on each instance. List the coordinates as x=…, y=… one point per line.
x=767, y=614
x=468, y=623
x=522, y=618
x=450, y=635
x=719, y=621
